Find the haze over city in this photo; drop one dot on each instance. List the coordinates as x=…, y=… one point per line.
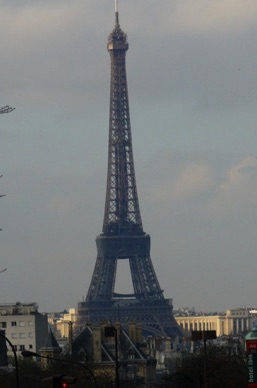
x=192, y=71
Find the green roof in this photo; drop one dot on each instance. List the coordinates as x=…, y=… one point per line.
x=252, y=334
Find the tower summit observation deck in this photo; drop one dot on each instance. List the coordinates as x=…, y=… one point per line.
x=123, y=237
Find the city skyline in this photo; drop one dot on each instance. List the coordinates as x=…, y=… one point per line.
x=191, y=73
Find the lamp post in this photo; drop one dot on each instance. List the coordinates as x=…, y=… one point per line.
x=204, y=335
x=28, y=353
x=111, y=331
x=15, y=359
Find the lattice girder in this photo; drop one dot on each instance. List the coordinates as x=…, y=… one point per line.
x=123, y=237
x=122, y=213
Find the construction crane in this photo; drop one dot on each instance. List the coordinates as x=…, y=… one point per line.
x=6, y=109
x=1, y=195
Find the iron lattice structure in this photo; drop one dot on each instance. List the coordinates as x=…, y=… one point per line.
x=122, y=235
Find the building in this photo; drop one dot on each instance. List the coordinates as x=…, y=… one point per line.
x=62, y=327
x=63, y=324
x=24, y=326
x=49, y=350
x=233, y=322
x=98, y=344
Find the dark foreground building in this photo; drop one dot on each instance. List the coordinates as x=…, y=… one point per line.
x=136, y=367
x=123, y=237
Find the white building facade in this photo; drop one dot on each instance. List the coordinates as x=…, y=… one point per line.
x=24, y=326
x=63, y=326
x=233, y=322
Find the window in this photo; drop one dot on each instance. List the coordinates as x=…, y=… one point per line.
x=21, y=335
x=3, y=325
x=30, y=346
x=21, y=323
x=21, y=348
x=223, y=327
x=14, y=323
x=30, y=323
x=14, y=335
x=15, y=347
x=30, y=335
x=234, y=326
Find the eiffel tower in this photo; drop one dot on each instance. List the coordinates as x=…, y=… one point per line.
x=123, y=237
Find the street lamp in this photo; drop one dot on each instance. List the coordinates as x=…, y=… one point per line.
x=28, y=353
x=111, y=331
x=204, y=335
x=15, y=359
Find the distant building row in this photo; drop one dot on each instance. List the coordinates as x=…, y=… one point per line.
x=233, y=322
x=27, y=329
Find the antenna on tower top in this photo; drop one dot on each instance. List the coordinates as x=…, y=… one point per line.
x=116, y=13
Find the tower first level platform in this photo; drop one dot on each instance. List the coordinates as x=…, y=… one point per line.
x=155, y=316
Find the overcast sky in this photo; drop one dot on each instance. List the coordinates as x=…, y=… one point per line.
x=192, y=79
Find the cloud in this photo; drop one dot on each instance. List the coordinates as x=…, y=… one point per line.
x=238, y=174
x=191, y=70
x=46, y=52
x=204, y=185
x=194, y=180
x=211, y=16
x=238, y=192
x=53, y=52
x=175, y=179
